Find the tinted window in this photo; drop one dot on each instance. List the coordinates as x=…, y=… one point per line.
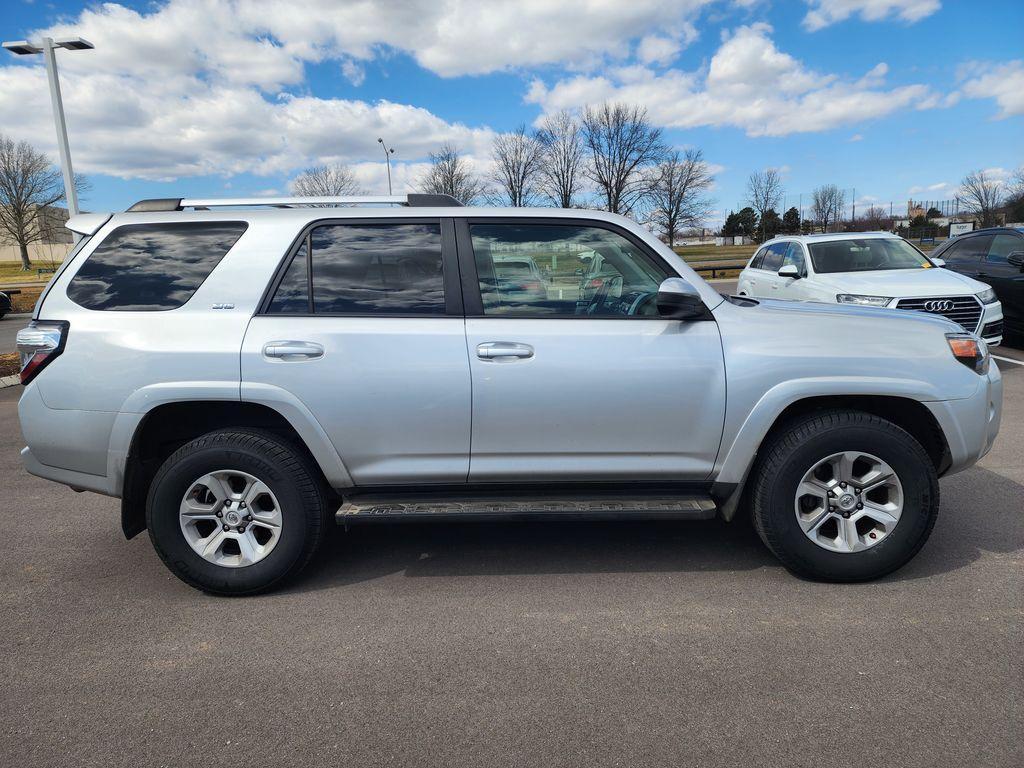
x=755, y=263
x=866, y=254
x=148, y=267
x=292, y=295
x=571, y=270
x=1002, y=246
x=367, y=269
x=773, y=258
x=958, y=253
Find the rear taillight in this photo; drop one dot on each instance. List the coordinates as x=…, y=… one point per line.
x=38, y=344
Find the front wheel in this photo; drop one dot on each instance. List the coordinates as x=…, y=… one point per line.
x=236, y=511
x=844, y=496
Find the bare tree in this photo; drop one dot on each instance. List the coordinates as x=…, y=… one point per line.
x=561, y=174
x=678, y=194
x=518, y=158
x=29, y=185
x=875, y=218
x=827, y=203
x=623, y=146
x=450, y=174
x=981, y=196
x=764, y=193
x=326, y=181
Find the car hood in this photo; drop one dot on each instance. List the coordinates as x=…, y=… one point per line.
x=901, y=282
x=810, y=309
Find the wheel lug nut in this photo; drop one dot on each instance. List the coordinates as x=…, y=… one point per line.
x=219, y=513
x=241, y=505
x=248, y=517
x=831, y=508
x=860, y=506
x=842, y=485
x=227, y=527
x=241, y=529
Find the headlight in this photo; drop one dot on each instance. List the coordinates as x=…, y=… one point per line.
x=988, y=296
x=969, y=350
x=864, y=301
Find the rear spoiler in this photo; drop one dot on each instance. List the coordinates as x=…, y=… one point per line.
x=87, y=224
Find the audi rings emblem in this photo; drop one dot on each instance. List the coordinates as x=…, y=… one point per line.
x=939, y=305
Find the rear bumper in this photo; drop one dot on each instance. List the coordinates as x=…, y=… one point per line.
x=971, y=424
x=80, y=481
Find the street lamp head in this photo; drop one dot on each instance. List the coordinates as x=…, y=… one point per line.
x=380, y=140
x=22, y=47
x=392, y=150
x=74, y=43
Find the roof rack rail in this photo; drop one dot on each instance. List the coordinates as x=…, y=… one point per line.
x=178, y=204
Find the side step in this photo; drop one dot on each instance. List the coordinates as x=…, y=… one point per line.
x=392, y=508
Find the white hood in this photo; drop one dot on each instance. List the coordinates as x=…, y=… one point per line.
x=912, y=283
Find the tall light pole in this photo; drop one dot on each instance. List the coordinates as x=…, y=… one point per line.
x=47, y=46
x=387, y=158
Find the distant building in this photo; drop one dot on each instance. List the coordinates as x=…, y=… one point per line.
x=51, y=249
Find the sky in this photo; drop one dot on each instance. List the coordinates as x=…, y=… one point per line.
x=890, y=99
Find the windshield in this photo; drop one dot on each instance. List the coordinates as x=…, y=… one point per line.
x=863, y=255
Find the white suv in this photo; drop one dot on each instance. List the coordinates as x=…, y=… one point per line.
x=870, y=269
x=242, y=373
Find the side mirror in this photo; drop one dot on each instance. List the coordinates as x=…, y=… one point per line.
x=939, y=262
x=789, y=270
x=678, y=300
x=1016, y=259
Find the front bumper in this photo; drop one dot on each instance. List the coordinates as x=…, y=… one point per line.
x=972, y=423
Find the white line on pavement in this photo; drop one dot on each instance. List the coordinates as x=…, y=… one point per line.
x=1008, y=360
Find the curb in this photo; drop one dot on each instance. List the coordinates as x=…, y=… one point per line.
x=9, y=381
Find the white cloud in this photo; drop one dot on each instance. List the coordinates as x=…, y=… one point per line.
x=749, y=84
x=1002, y=82
x=125, y=127
x=823, y=13
x=857, y=137
x=941, y=189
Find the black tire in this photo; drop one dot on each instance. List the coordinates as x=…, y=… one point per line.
x=289, y=474
x=798, y=446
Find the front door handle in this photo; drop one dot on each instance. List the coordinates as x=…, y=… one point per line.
x=293, y=350
x=497, y=350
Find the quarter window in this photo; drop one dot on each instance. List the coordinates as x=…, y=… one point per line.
x=152, y=267
x=361, y=269
x=532, y=270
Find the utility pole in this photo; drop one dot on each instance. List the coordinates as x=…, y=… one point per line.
x=387, y=158
x=47, y=46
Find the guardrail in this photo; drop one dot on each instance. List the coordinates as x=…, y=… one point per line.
x=714, y=269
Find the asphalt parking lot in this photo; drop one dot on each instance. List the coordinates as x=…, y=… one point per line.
x=515, y=644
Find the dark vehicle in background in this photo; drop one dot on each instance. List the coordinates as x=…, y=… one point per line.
x=5, y=305
x=994, y=256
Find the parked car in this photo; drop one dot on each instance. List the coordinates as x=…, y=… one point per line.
x=241, y=373
x=518, y=279
x=5, y=305
x=873, y=269
x=995, y=256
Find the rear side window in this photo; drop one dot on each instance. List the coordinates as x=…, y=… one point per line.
x=365, y=269
x=755, y=263
x=152, y=267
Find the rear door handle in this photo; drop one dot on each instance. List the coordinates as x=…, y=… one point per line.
x=293, y=350
x=497, y=350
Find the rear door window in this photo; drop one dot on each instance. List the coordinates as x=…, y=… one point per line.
x=365, y=269
x=152, y=267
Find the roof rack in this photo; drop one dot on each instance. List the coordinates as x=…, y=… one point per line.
x=180, y=204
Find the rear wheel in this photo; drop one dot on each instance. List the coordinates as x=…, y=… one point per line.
x=236, y=511
x=844, y=496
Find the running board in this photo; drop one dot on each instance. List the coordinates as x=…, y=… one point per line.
x=392, y=508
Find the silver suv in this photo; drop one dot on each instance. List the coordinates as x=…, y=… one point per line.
x=240, y=372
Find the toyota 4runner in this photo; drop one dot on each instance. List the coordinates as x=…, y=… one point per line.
x=241, y=372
